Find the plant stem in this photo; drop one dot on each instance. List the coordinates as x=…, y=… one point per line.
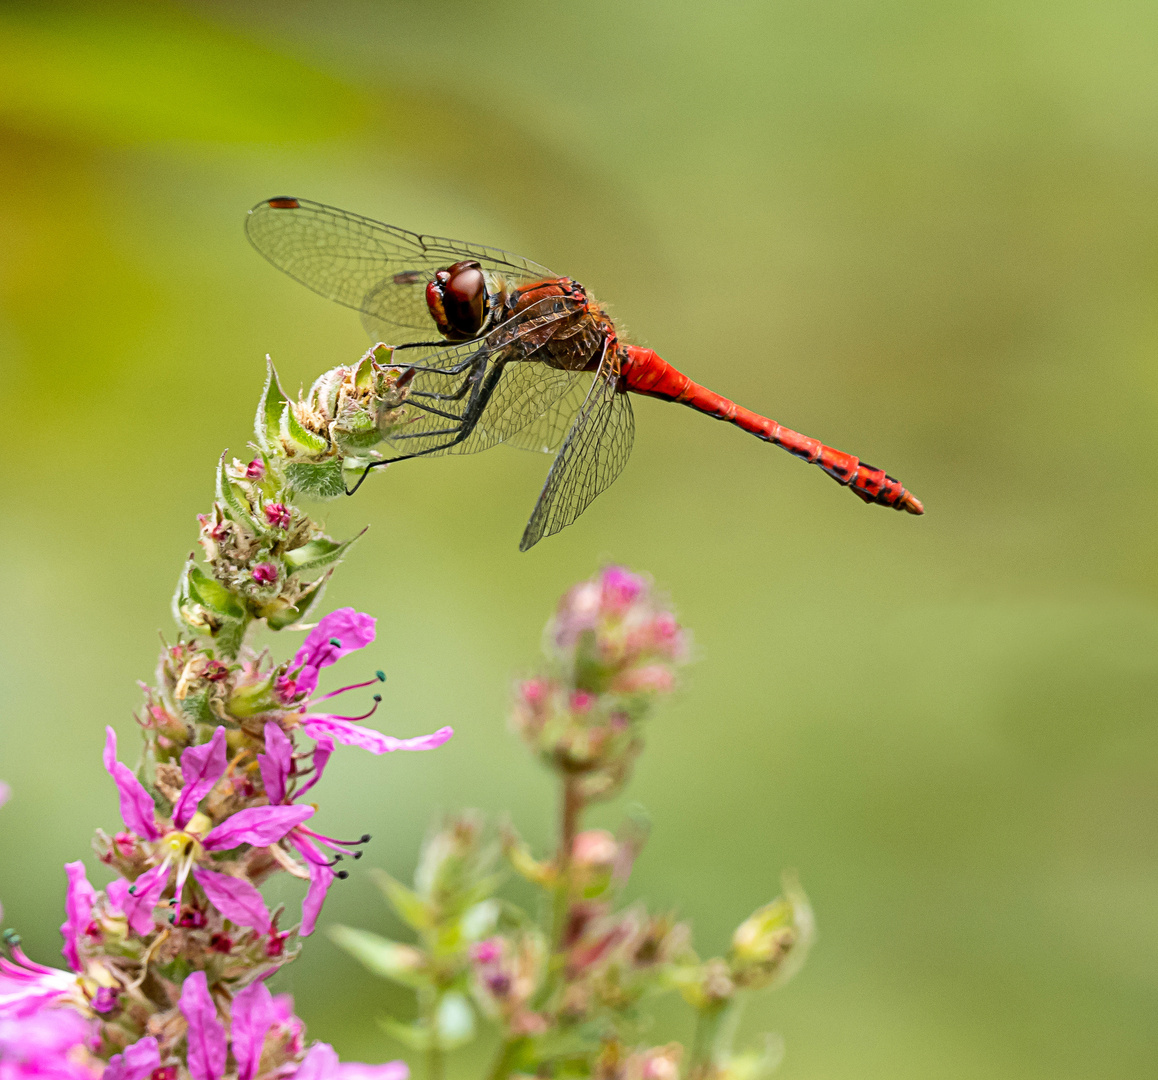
x=429, y=1001
x=715, y=1032
x=504, y=1059
x=570, y=810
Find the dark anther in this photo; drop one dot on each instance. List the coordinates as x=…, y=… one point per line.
x=377, y=697
x=343, y=874
x=365, y=838
x=11, y=938
x=358, y=854
x=335, y=642
x=381, y=675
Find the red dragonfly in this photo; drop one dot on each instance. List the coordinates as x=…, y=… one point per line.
x=522, y=356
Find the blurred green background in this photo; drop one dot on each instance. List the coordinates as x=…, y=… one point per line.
x=925, y=233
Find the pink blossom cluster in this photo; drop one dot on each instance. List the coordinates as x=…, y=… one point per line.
x=612, y=646
x=166, y=966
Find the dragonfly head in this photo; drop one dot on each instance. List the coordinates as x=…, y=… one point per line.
x=458, y=301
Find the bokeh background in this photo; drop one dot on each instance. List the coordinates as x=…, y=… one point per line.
x=926, y=233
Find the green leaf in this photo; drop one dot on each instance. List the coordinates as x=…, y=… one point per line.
x=317, y=554
x=455, y=1022
x=287, y=616
x=195, y=707
x=231, y=498
x=267, y=423
x=402, y=964
x=292, y=431
x=414, y=1035
x=212, y=595
x=230, y=636
x=364, y=374
x=322, y=480
x=410, y=908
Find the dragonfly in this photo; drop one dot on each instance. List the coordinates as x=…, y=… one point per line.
x=499, y=349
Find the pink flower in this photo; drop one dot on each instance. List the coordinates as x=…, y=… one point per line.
x=259, y=826
x=255, y=470
x=50, y=1044
x=265, y=573
x=338, y=634
x=277, y=515
x=26, y=987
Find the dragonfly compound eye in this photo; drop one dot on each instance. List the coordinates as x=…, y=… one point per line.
x=457, y=298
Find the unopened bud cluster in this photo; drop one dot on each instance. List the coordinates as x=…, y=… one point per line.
x=612, y=649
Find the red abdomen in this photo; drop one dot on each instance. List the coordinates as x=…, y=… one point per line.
x=644, y=372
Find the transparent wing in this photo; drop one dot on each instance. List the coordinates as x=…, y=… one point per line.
x=546, y=434
x=377, y=269
x=592, y=456
x=491, y=389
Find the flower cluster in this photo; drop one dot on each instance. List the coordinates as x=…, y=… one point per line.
x=567, y=996
x=612, y=648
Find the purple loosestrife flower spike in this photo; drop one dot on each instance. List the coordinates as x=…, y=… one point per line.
x=256, y=825
x=201, y=766
x=235, y=898
x=136, y=1062
x=78, y=912
x=136, y=804
x=138, y=900
x=253, y=1016
x=206, y=1036
x=388, y=1070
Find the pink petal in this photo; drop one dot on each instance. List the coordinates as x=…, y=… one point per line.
x=321, y=877
x=235, y=898
x=257, y=825
x=350, y=628
x=138, y=900
x=321, y=755
x=136, y=1062
x=5, y=792
x=276, y=763
x=321, y=1063
x=201, y=766
x=78, y=903
x=350, y=734
x=388, y=1070
x=205, y=1056
x=253, y=1016
x=136, y=803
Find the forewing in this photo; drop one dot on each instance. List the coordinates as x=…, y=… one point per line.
x=377, y=269
x=592, y=456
